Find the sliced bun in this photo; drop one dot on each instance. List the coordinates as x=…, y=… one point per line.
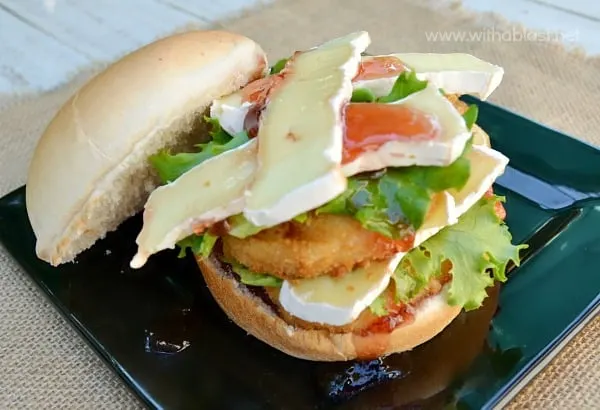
x=90, y=169
x=251, y=314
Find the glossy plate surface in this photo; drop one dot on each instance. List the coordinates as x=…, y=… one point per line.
x=161, y=331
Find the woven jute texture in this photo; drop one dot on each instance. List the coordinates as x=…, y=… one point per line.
x=44, y=364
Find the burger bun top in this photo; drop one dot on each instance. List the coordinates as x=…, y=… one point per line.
x=90, y=169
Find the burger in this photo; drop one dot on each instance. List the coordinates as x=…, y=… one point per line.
x=339, y=205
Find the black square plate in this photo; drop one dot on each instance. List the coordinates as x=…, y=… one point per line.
x=162, y=332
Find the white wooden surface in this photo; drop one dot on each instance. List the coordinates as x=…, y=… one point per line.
x=576, y=22
x=42, y=42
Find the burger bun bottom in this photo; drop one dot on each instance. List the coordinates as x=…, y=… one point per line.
x=253, y=315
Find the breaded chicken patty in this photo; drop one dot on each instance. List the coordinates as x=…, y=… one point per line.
x=323, y=245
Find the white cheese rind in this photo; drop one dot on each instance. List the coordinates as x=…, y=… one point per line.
x=231, y=112
x=299, y=160
x=455, y=73
x=208, y=193
x=306, y=197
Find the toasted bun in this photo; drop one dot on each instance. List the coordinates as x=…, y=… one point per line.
x=251, y=314
x=90, y=169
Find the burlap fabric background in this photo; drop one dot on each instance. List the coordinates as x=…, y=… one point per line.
x=44, y=364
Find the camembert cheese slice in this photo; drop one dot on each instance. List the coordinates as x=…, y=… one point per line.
x=487, y=165
x=441, y=150
x=455, y=73
x=301, y=131
x=208, y=193
x=339, y=301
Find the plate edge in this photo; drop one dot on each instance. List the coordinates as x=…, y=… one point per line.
x=543, y=358
x=475, y=100
x=83, y=334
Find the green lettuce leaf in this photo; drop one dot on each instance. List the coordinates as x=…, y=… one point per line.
x=301, y=218
x=406, y=84
x=207, y=245
x=470, y=115
x=362, y=95
x=217, y=134
x=247, y=277
x=407, y=285
x=172, y=166
x=388, y=200
x=192, y=242
x=479, y=248
x=378, y=306
x=415, y=272
x=198, y=244
x=240, y=227
x=342, y=204
x=278, y=66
